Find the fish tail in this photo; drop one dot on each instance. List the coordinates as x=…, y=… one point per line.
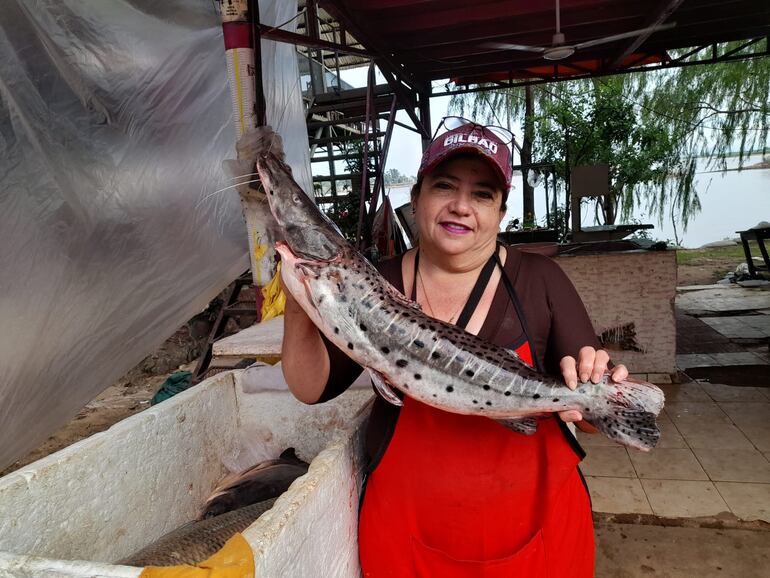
x=627, y=412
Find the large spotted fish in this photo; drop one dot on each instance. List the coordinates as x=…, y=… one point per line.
x=434, y=362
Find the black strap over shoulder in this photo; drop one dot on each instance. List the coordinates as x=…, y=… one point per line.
x=477, y=292
x=520, y=312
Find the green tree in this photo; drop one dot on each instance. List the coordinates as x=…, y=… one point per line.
x=711, y=112
x=395, y=177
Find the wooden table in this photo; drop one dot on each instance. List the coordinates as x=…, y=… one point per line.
x=261, y=341
x=760, y=236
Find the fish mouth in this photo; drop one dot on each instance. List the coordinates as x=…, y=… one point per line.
x=285, y=246
x=455, y=228
x=302, y=259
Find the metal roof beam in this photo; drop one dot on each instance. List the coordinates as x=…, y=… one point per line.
x=664, y=11
x=385, y=62
x=742, y=46
x=401, y=81
x=279, y=35
x=406, y=101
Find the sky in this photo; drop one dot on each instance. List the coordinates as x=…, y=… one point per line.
x=731, y=201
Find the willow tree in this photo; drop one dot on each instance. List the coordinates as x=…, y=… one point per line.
x=712, y=112
x=650, y=127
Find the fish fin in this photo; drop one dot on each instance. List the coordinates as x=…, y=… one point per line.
x=261, y=481
x=383, y=387
x=518, y=358
x=522, y=425
x=626, y=413
x=290, y=455
x=399, y=297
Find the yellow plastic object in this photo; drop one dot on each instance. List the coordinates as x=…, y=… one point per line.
x=260, y=250
x=234, y=560
x=274, y=300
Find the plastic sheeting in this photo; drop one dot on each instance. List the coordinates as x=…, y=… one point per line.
x=114, y=122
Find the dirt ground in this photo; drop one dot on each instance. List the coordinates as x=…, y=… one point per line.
x=700, y=274
x=132, y=392
x=706, y=266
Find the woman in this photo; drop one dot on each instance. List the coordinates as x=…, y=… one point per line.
x=454, y=495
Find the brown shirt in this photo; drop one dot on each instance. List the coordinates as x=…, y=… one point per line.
x=556, y=320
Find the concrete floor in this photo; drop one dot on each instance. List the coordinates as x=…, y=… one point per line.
x=634, y=550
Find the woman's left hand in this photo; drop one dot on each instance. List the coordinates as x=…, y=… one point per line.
x=591, y=364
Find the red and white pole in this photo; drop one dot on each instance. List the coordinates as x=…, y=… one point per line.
x=240, y=25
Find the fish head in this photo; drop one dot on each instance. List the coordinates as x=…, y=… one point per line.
x=309, y=233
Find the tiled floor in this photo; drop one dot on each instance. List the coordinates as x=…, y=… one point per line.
x=690, y=360
x=714, y=452
x=724, y=298
x=693, y=336
x=741, y=327
x=713, y=457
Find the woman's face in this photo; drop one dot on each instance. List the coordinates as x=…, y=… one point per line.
x=459, y=206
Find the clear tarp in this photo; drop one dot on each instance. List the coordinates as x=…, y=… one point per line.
x=115, y=118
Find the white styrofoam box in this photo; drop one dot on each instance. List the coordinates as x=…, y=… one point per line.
x=107, y=496
x=272, y=420
x=312, y=530
x=18, y=566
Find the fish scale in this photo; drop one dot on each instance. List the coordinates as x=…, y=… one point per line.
x=196, y=541
x=425, y=358
x=489, y=381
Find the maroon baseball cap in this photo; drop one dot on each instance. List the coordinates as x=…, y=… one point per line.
x=470, y=137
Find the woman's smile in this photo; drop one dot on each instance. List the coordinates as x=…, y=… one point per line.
x=455, y=228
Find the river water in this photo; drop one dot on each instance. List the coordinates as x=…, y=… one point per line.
x=730, y=201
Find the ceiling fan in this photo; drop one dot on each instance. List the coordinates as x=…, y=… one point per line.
x=559, y=50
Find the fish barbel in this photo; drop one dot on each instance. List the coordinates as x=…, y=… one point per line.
x=427, y=359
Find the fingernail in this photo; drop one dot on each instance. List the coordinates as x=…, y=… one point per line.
x=584, y=377
x=572, y=384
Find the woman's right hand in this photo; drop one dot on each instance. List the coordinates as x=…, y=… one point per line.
x=304, y=359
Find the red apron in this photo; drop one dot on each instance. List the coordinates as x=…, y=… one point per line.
x=459, y=496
